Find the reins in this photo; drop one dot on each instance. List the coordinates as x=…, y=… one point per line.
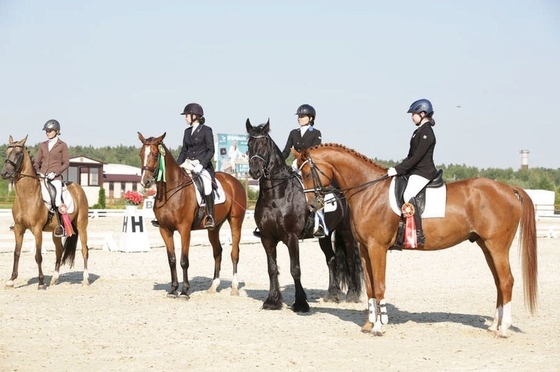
x=319, y=188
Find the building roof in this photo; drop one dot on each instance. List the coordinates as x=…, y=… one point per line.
x=121, y=169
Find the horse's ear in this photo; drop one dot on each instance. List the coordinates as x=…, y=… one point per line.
x=163, y=135
x=10, y=140
x=141, y=137
x=248, y=126
x=266, y=127
x=22, y=142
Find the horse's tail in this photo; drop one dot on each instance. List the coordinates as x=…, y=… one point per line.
x=69, y=248
x=528, y=243
x=349, y=274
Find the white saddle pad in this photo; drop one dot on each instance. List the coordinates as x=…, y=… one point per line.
x=330, y=203
x=66, y=197
x=435, y=201
x=219, y=194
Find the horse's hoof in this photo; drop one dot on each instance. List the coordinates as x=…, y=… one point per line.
x=42, y=287
x=85, y=283
x=353, y=297
x=171, y=295
x=234, y=292
x=300, y=307
x=332, y=298
x=184, y=297
x=272, y=306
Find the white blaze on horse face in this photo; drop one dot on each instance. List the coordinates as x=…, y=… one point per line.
x=145, y=160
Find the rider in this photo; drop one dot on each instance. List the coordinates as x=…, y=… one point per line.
x=304, y=137
x=196, y=156
x=419, y=164
x=52, y=160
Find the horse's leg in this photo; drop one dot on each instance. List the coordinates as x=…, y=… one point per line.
x=368, y=277
x=81, y=225
x=300, y=304
x=185, y=244
x=58, y=254
x=333, y=292
x=18, y=234
x=347, y=245
x=214, y=237
x=235, y=224
x=274, y=300
x=167, y=237
x=498, y=262
x=38, y=234
x=376, y=304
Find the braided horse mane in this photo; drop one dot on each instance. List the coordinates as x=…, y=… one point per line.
x=351, y=151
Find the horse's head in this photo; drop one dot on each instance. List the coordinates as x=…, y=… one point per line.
x=316, y=175
x=260, y=147
x=14, y=158
x=150, y=155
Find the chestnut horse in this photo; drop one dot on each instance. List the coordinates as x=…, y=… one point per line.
x=282, y=215
x=30, y=212
x=481, y=210
x=176, y=208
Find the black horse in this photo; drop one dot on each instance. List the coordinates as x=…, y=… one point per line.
x=282, y=215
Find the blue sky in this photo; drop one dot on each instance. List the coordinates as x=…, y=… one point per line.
x=107, y=69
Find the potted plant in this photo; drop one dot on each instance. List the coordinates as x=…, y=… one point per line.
x=132, y=199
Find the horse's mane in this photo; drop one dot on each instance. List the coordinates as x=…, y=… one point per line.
x=350, y=151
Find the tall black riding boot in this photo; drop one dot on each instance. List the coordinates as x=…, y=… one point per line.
x=209, y=224
x=420, y=238
x=59, y=229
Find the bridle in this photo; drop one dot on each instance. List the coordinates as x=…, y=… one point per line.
x=17, y=163
x=266, y=166
x=265, y=158
x=319, y=190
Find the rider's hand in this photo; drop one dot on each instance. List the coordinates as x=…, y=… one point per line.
x=51, y=176
x=197, y=168
x=391, y=172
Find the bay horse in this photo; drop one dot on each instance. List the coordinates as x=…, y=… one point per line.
x=281, y=215
x=30, y=213
x=176, y=208
x=481, y=210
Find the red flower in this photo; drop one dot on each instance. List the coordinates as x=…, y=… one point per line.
x=133, y=198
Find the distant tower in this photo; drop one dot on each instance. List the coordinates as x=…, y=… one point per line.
x=524, y=159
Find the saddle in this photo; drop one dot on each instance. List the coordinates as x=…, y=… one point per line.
x=402, y=181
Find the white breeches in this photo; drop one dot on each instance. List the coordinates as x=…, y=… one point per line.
x=58, y=187
x=415, y=184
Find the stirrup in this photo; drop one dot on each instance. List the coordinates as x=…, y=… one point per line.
x=319, y=233
x=59, y=231
x=155, y=223
x=209, y=224
x=256, y=232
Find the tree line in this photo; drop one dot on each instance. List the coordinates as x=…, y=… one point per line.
x=533, y=178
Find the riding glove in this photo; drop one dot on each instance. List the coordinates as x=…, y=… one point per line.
x=51, y=176
x=197, y=168
x=391, y=172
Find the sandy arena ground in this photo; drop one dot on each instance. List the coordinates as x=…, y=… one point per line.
x=440, y=304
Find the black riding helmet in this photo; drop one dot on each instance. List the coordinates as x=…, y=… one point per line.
x=52, y=125
x=308, y=110
x=421, y=105
x=193, y=108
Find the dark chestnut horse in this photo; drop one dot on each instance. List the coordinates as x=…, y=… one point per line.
x=282, y=215
x=30, y=212
x=176, y=208
x=480, y=210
